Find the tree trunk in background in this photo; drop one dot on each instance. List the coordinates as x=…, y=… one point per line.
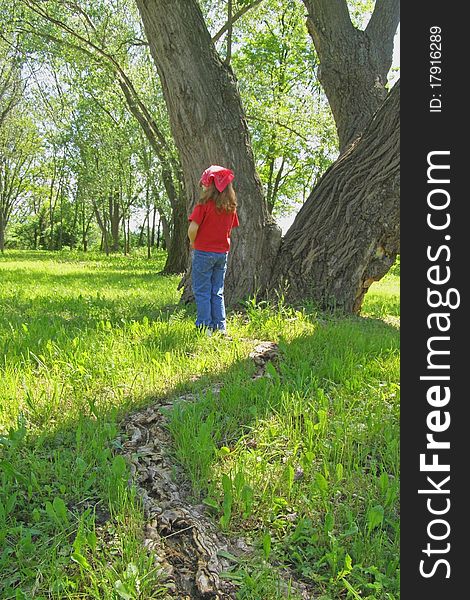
x=84, y=229
x=354, y=64
x=177, y=241
x=158, y=231
x=124, y=235
x=149, y=241
x=61, y=215
x=103, y=227
x=127, y=239
x=2, y=231
x=141, y=234
x=154, y=218
x=209, y=127
x=115, y=220
x=51, y=215
x=347, y=233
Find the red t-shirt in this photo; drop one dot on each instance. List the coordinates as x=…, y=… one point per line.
x=214, y=230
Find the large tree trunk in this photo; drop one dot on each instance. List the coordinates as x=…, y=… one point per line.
x=347, y=233
x=209, y=127
x=354, y=64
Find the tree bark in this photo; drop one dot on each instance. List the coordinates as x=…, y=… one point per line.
x=140, y=243
x=102, y=224
x=178, y=248
x=158, y=231
x=124, y=234
x=209, y=127
x=149, y=241
x=152, y=235
x=347, y=233
x=354, y=64
x=115, y=219
x=2, y=231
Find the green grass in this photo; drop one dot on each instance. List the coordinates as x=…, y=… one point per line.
x=304, y=461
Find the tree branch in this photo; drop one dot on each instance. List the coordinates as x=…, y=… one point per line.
x=328, y=19
x=279, y=124
x=136, y=106
x=235, y=18
x=384, y=21
x=229, y=32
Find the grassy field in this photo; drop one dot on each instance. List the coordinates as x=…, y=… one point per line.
x=304, y=462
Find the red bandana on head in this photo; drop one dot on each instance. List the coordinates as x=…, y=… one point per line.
x=219, y=175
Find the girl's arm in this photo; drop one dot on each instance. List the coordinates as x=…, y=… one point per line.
x=192, y=232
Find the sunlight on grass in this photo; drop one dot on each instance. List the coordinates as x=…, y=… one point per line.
x=383, y=298
x=304, y=460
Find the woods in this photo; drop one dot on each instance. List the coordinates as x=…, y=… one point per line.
x=200, y=110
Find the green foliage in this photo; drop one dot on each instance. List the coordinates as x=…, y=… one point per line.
x=90, y=169
x=360, y=11
x=293, y=133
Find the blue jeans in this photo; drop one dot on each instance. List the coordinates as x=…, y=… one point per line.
x=208, y=275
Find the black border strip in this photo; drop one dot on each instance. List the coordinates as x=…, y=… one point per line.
x=434, y=232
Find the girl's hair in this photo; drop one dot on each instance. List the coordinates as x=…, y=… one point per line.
x=225, y=200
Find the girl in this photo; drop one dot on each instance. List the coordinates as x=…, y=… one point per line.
x=209, y=230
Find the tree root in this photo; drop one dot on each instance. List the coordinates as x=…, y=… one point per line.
x=184, y=540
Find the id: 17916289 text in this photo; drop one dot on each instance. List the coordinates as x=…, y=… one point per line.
x=435, y=68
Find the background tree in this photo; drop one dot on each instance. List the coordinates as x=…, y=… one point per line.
x=19, y=145
x=109, y=36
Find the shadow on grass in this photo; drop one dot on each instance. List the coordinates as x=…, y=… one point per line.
x=63, y=486
x=112, y=261
x=60, y=484
x=83, y=310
